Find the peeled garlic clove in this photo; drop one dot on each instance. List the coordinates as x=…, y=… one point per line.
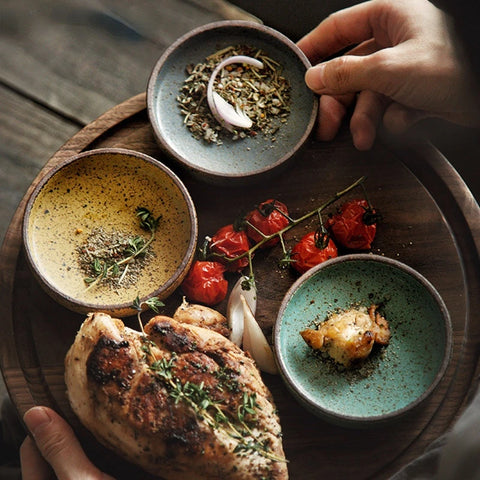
x=235, y=309
x=255, y=343
x=224, y=113
x=233, y=116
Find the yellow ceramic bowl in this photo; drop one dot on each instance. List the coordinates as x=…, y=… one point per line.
x=89, y=203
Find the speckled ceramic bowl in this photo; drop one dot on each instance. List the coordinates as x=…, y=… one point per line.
x=99, y=192
x=233, y=160
x=394, y=379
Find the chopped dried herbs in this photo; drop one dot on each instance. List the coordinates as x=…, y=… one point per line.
x=100, y=254
x=262, y=94
x=116, y=258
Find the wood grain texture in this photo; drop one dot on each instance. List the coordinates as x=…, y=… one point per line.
x=82, y=58
x=30, y=134
x=421, y=197
x=64, y=63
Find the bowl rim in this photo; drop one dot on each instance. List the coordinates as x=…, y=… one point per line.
x=353, y=420
x=221, y=24
x=115, y=307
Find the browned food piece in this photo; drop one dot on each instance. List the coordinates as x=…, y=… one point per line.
x=180, y=401
x=202, y=316
x=348, y=336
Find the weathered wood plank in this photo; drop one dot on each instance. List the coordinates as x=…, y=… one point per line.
x=29, y=137
x=63, y=64
x=82, y=58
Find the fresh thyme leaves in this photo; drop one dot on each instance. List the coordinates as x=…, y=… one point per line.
x=227, y=380
x=249, y=406
x=262, y=94
x=117, y=258
x=163, y=367
x=147, y=220
x=153, y=303
x=209, y=408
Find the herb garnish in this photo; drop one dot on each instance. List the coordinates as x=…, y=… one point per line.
x=198, y=397
x=153, y=303
x=115, y=257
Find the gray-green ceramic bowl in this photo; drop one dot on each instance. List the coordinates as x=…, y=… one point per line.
x=393, y=380
x=234, y=160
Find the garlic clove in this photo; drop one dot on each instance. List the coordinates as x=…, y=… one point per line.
x=223, y=112
x=233, y=116
x=235, y=309
x=255, y=342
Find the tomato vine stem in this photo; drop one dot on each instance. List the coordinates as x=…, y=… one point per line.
x=292, y=223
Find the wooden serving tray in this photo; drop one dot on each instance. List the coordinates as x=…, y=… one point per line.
x=430, y=221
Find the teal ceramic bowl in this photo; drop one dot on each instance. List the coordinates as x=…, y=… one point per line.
x=395, y=378
x=241, y=160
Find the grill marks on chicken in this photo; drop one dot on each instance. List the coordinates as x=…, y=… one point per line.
x=180, y=401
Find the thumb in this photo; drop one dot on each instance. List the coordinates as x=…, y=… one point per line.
x=345, y=74
x=58, y=445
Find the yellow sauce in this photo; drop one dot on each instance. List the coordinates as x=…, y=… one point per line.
x=105, y=191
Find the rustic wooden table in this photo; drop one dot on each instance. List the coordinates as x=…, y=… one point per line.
x=65, y=63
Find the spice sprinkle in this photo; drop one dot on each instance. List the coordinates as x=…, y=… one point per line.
x=262, y=94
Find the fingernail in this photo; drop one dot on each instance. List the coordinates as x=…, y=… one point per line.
x=36, y=417
x=314, y=77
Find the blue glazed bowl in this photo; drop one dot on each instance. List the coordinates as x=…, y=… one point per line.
x=237, y=161
x=392, y=381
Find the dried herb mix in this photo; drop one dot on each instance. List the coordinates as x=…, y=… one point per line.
x=115, y=257
x=103, y=251
x=263, y=94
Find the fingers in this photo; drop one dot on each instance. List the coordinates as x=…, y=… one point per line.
x=366, y=118
x=331, y=112
x=350, y=74
x=340, y=30
x=34, y=467
x=398, y=118
x=367, y=115
x=58, y=445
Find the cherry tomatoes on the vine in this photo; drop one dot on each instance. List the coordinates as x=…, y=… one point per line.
x=269, y=218
x=354, y=226
x=229, y=243
x=205, y=283
x=311, y=250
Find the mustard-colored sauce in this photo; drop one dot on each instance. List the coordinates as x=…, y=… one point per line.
x=105, y=191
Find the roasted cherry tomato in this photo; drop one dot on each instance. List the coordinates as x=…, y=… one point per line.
x=231, y=243
x=205, y=283
x=312, y=249
x=354, y=226
x=269, y=217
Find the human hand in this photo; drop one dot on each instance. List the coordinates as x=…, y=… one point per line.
x=53, y=447
x=404, y=66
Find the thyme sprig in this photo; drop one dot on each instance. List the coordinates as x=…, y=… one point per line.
x=198, y=397
x=137, y=246
x=153, y=303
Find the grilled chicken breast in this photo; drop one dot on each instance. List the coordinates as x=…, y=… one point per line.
x=202, y=316
x=179, y=400
x=348, y=336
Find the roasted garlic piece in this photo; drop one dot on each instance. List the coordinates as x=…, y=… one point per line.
x=348, y=336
